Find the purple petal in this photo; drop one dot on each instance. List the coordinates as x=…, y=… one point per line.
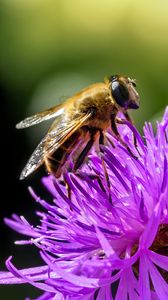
x=21, y=226
x=36, y=274
x=77, y=280
x=144, y=284
x=17, y=273
x=160, y=285
x=105, y=244
x=159, y=260
x=151, y=229
x=165, y=175
x=122, y=288
x=104, y=293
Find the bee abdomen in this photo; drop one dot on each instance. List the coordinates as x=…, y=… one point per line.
x=56, y=161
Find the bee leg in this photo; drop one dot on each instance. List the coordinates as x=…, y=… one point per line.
x=122, y=121
x=69, y=194
x=129, y=119
x=119, y=138
x=85, y=151
x=95, y=177
x=101, y=142
x=99, y=182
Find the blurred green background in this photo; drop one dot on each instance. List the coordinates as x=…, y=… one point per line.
x=50, y=49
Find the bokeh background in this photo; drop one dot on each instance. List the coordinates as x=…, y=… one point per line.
x=50, y=49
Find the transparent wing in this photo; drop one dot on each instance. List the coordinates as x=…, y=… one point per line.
x=35, y=161
x=52, y=112
x=60, y=131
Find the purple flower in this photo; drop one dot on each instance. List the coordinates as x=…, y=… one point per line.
x=109, y=239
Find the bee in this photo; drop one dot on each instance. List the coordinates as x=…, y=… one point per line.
x=79, y=122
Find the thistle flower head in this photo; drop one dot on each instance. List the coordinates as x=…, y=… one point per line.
x=108, y=237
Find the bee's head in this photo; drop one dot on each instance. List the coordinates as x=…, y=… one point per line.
x=124, y=92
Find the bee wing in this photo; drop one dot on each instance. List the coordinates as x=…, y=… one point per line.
x=35, y=161
x=60, y=131
x=52, y=112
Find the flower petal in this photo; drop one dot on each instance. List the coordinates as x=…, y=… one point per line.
x=144, y=284
x=160, y=285
x=159, y=260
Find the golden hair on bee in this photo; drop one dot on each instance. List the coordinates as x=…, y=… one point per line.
x=80, y=121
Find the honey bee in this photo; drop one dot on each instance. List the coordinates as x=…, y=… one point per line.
x=79, y=122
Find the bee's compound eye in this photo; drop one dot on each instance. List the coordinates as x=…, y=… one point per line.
x=120, y=93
